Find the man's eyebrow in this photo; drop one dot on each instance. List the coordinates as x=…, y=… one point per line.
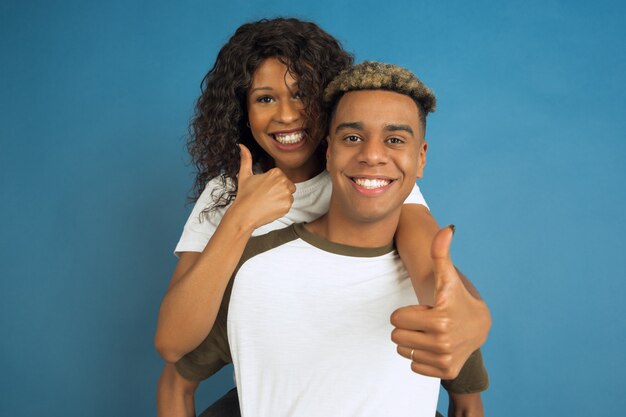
x=394, y=127
x=349, y=125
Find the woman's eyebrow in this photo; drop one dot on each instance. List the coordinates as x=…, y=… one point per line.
x=252, y=90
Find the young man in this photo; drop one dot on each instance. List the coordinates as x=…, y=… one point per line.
x=308, y=306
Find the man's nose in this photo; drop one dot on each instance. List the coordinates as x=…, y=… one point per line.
x=373, y=152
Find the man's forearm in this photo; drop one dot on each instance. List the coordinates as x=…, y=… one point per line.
x=452, y=321
x=465, y=405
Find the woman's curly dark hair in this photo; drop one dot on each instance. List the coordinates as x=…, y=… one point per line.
x=219, y=124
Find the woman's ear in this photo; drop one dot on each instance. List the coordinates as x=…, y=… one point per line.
x=327, y=150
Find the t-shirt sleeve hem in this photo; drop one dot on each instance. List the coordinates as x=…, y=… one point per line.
x=188, y=246
x=188, y=370
x=467, y=390
x=416, y=197
x=422, y=203
x=472, y=378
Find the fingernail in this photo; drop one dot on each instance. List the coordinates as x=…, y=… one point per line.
x=452, y=227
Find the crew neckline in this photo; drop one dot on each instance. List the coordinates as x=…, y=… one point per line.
x=339, y=248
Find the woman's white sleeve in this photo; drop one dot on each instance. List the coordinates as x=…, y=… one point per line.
x=416, y=197
x=200, y=226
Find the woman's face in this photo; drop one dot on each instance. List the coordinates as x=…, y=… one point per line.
x=278, y=122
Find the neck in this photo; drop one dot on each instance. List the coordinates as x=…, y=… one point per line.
x=338, y=229
x=311, y=168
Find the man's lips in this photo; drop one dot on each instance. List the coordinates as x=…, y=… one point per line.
x=372, y=183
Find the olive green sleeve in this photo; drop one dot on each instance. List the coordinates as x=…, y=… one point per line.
x=210, y=356
x=472, y=378
x=214, y=352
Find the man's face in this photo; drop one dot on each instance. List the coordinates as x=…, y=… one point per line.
x=376, y=151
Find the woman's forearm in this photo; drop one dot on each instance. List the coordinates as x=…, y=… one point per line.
x=191, y=304
x=175, y=394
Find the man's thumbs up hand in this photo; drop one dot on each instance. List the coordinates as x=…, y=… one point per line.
x=439, y=339
x=446, y=275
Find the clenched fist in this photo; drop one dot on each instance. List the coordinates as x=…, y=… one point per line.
x=439, y=339
x=262, y=198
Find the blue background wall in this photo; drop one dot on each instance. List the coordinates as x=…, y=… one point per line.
x=526, y=157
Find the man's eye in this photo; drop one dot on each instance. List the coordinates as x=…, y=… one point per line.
x=264, y=99
x=352, y=138
x=395, y=141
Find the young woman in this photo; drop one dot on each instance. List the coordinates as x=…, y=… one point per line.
x=265, y=92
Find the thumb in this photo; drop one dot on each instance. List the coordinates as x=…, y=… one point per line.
x=443, y=267
x=245, y=164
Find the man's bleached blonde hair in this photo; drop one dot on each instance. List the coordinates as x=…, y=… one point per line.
x=371, y=75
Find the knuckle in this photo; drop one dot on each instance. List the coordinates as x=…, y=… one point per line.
x=444, y=362
x=444, y=346
x=450, y=373
x=274, y=173
x=442, y=325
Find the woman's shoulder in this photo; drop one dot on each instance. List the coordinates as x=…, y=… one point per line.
x=203, y=222
x=219, y=183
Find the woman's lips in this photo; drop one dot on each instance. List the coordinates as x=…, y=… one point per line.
x=289, y=138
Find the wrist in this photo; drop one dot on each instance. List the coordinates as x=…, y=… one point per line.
x=239, y=220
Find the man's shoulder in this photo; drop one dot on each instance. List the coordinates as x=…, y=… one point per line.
x=271, y=240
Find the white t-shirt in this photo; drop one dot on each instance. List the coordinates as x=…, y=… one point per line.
x=309, y=331
x=310, y=201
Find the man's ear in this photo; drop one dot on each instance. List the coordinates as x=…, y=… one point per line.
x=421, y=159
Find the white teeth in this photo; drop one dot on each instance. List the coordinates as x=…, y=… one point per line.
x=371, y=184
x=289, y=138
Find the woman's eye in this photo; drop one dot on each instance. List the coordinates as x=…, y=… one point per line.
x=264, y=99
x=298, y=95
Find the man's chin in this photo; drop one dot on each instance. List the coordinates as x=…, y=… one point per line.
x=369, y=214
